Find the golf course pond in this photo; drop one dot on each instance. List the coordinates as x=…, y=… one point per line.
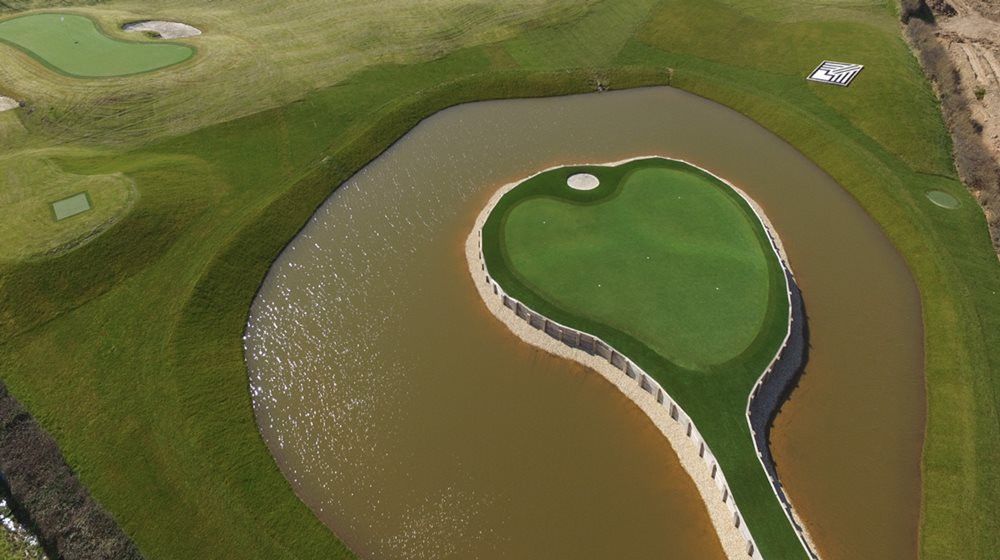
x=416, y=425
x=74, y=45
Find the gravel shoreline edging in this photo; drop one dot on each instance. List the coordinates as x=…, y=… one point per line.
x=48, y=498
x=763, y=403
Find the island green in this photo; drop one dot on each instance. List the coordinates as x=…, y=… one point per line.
x=672, y=267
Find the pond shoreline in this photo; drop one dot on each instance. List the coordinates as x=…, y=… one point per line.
x=763, y=404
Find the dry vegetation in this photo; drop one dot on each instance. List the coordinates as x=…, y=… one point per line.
x=253, y=55
x=67, y=520
x=959, y=50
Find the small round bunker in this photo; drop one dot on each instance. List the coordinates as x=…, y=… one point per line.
x=583, y=182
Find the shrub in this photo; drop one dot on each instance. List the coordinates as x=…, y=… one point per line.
x=915, y=9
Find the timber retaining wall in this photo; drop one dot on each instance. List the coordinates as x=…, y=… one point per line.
x=763, y=403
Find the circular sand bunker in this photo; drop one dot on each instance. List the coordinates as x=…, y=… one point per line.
x=165, y=29
x=583, y=182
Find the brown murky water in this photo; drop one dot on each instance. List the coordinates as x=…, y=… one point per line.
x=416, y=427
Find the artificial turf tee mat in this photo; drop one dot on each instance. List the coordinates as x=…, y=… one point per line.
x=73, y=45
x=672, y=267
x=70, y=206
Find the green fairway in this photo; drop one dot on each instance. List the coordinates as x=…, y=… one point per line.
x=72, y=44
x=128, y=348
x=670, y=266
x=673, y=258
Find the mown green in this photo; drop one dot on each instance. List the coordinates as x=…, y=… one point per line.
x=668, y=254
x=73, y=44
x=128, y=348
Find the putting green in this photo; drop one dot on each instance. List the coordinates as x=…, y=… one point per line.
x=74, y=45
x=667, y=254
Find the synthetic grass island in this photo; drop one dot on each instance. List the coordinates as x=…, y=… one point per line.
x=673, y=268
x=74, y=45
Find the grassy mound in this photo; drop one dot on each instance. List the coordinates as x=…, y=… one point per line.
x=72, y=44
x=33, y=181
x=660, y=249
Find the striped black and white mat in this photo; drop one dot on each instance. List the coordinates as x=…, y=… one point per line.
x=836, y=73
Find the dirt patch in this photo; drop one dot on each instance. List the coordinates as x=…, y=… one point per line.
x=987, y=8
x=6, y=104
x=973, y=44
x=163, y=29
x=959, y=48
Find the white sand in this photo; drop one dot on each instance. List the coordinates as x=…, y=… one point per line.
x=6, y=104
x=583, y=182
x=166, y=29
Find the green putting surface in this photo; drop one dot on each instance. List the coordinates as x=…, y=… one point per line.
x=73, y=45
x=71, y=206
x=670, y=258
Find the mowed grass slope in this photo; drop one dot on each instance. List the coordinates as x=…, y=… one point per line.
x=128, y=348
x=660, y=250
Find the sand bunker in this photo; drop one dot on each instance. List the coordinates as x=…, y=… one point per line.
x=583, y=182
x=6, y=104
x=165, y=29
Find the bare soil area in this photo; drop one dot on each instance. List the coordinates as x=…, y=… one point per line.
x=6, y=104
x=972, y=38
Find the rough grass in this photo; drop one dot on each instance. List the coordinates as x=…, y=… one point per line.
x=128, y=349
x=580, y=259
x=32, y=180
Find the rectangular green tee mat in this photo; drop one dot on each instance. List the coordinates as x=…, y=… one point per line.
x=129, y=349
x=70, y=206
